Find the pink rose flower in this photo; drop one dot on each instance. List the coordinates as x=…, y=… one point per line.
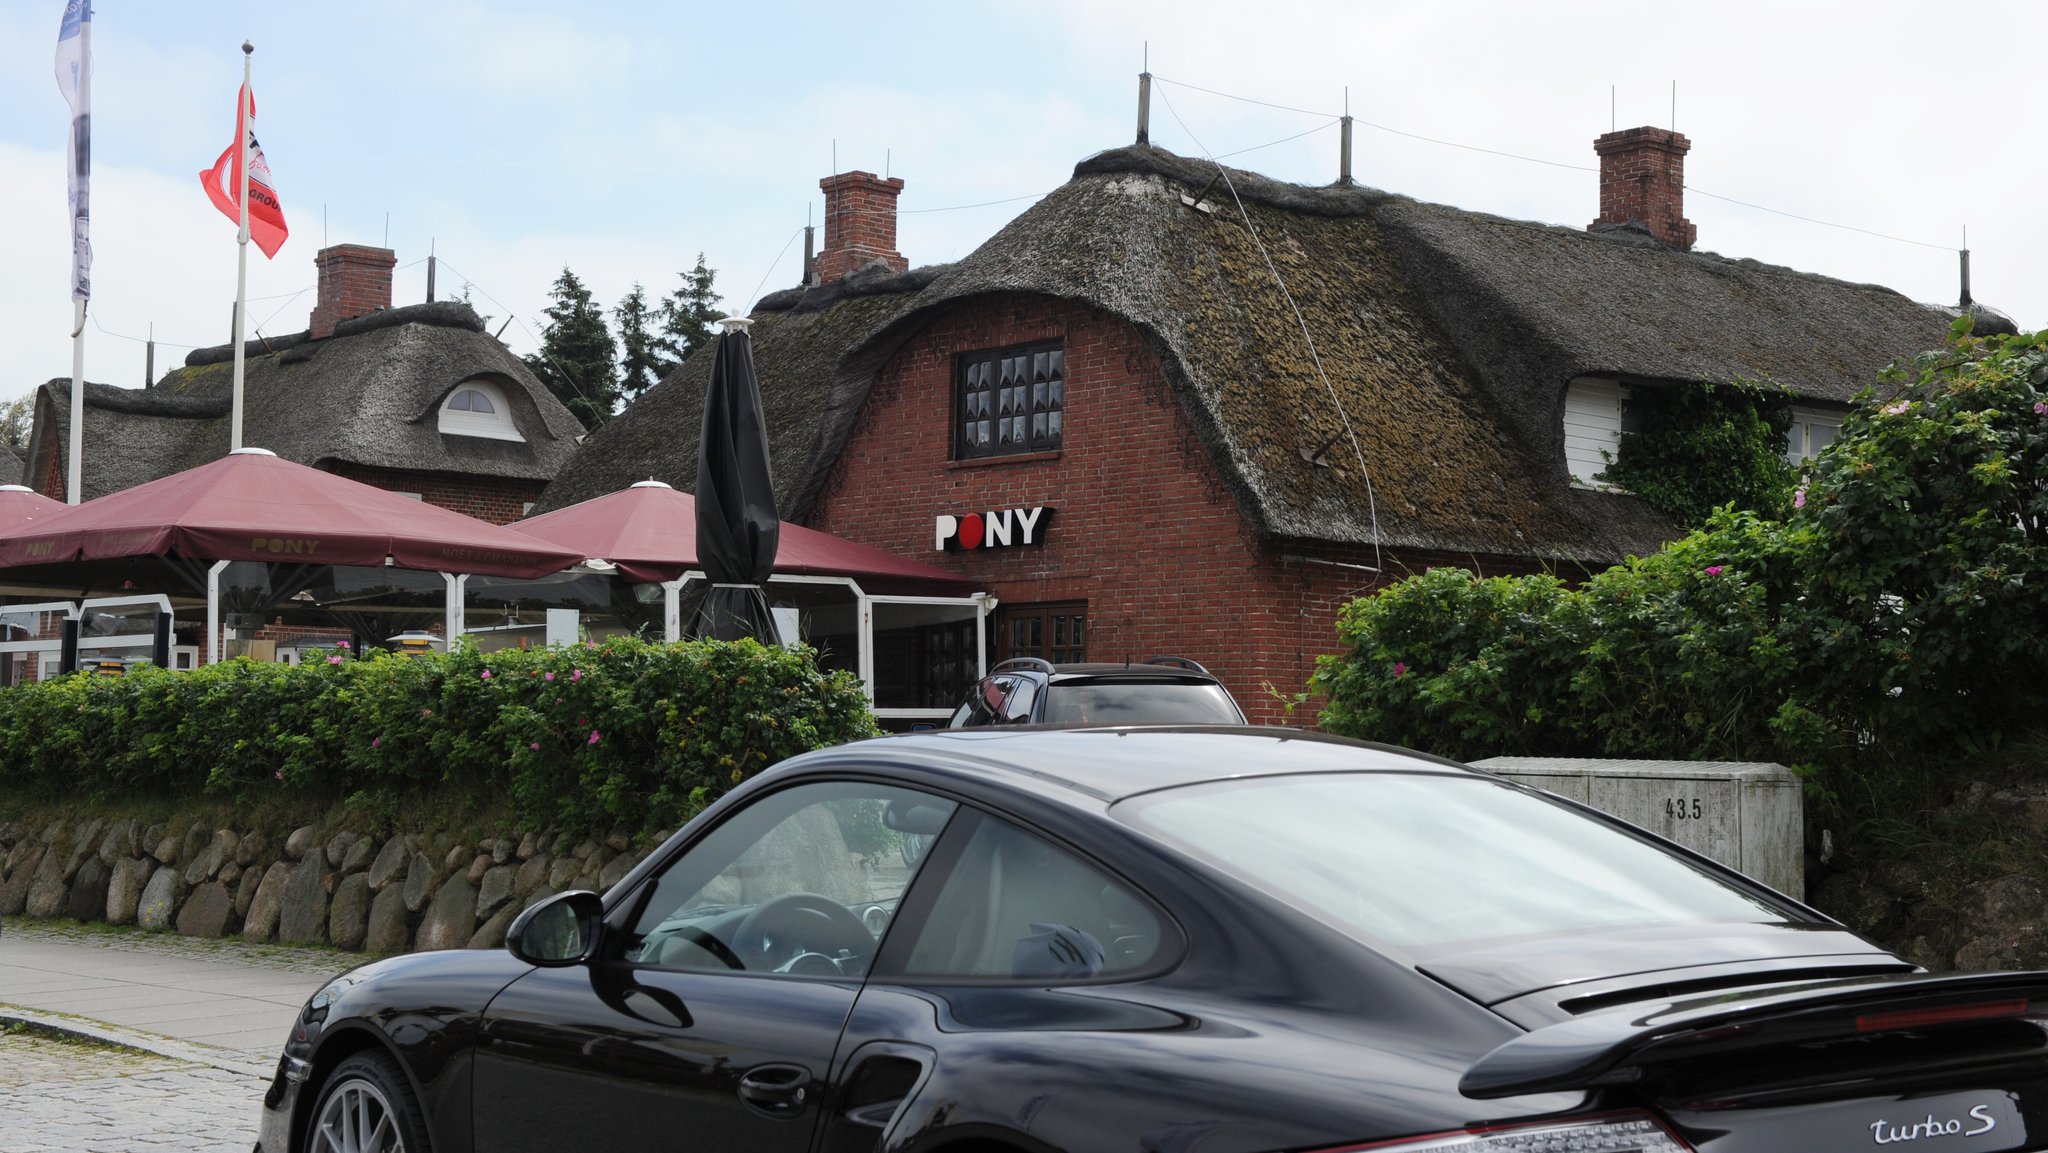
x=1799, y=497
x=550, y=676
x=1896, y=409
x=535, y=746
x=1400, y=669
x=594, y=738
x=334, y=660
x=1713, y=570
x=487, y=674
x=376, y=741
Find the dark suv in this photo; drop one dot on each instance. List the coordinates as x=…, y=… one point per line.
x=1163, y=690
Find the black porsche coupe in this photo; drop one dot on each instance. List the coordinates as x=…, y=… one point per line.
x=1162, y=941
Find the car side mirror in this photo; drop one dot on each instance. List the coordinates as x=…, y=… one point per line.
x=562, y=930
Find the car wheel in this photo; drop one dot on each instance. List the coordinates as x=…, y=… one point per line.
x=367, y=1107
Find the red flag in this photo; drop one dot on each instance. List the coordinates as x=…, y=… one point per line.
x=224, y=180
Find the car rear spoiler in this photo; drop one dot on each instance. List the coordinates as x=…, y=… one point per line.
x=1617, y=1046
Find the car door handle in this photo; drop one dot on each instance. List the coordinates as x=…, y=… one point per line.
x=776, y=1090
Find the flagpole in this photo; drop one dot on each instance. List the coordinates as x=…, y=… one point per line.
x=242, y=242
x=74, y=477
x=74, y=79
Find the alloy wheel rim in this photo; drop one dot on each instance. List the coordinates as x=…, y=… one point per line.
x=357, y=1118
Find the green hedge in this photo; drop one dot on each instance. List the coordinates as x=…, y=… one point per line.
x=583, y=737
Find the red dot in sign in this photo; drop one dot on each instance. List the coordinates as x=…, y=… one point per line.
x=970, y=530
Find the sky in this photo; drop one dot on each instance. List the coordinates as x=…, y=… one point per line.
x=513, y=139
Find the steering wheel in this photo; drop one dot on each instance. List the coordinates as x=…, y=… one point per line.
x=719, y=950
x=779, y=930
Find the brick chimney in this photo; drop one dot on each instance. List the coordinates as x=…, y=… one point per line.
x=1642, y=181
x=860, y=225
x=355, y=280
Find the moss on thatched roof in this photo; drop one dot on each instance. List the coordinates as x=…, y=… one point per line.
x=368, y=395
x=1444, y=339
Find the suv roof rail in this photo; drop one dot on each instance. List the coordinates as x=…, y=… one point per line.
x=1180, y=663
x=1035, y=664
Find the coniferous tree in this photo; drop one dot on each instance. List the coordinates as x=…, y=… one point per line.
x=640, y=361
x=687, y=315
x=577, y=353
x=18, y=419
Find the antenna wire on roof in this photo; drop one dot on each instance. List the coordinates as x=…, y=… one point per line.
x=1315, y=358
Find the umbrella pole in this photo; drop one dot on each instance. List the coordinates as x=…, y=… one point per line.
x=453, y=623
x=672, y=609
x=213, y=611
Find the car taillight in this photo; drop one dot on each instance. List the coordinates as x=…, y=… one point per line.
x=1612, y=1133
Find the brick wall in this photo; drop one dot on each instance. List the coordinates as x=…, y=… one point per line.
x=1144, y=531
x=860, y=225
x=495, y=499
x=1642, y=178
x=355, y=280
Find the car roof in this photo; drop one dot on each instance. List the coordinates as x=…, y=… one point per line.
x=1150, y=672
x=1111, y=763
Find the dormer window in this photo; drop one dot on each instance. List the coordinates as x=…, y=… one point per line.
x=1593, y=423
x=478, y=408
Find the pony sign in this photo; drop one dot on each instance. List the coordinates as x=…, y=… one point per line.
x=1000, y=529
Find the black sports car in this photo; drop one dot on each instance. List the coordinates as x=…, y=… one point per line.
x=1175, y=941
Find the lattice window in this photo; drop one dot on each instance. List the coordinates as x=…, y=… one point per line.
x=1010, y=401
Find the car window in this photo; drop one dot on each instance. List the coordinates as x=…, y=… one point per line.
x=1017, y=705
x=803, y=881
x=1015, y=906
x=1435, y=859
x=1127, y=702
x=984, y=702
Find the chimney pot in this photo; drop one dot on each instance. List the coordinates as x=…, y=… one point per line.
x=355, y=280
x=860, y=225
x=1642, y=182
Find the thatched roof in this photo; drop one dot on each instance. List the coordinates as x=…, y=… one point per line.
x=369, y=395
x=1447, y=338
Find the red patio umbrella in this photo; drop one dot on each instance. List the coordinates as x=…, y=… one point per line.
x=20, y=504
x=252, y=506
x=650, y=532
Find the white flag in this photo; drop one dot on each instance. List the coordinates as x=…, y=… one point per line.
x=74, y=79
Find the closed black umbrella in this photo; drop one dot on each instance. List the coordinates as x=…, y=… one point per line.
x=736, y=521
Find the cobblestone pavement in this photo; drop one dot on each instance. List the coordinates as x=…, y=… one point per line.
x=63, y=1096
x=285, y=958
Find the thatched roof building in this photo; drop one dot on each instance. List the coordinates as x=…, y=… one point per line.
x=365, y=398
x=1445, y=339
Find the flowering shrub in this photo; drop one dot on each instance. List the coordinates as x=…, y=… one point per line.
x=624, y=732
x=1932, y=514
x=1665, y=656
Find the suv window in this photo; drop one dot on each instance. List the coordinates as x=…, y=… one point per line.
x=1126, y=702
x=1015, y=906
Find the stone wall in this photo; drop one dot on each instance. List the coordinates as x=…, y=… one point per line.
x=397, y=894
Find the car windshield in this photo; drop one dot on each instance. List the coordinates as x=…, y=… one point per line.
x=1415, y=860
x=1128, y=702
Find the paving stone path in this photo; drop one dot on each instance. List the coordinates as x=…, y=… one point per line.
x=284, y=958
x=64, y=1096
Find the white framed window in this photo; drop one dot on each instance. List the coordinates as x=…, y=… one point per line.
x=1812, y=429
x=1592, y=428
x=478, y=408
